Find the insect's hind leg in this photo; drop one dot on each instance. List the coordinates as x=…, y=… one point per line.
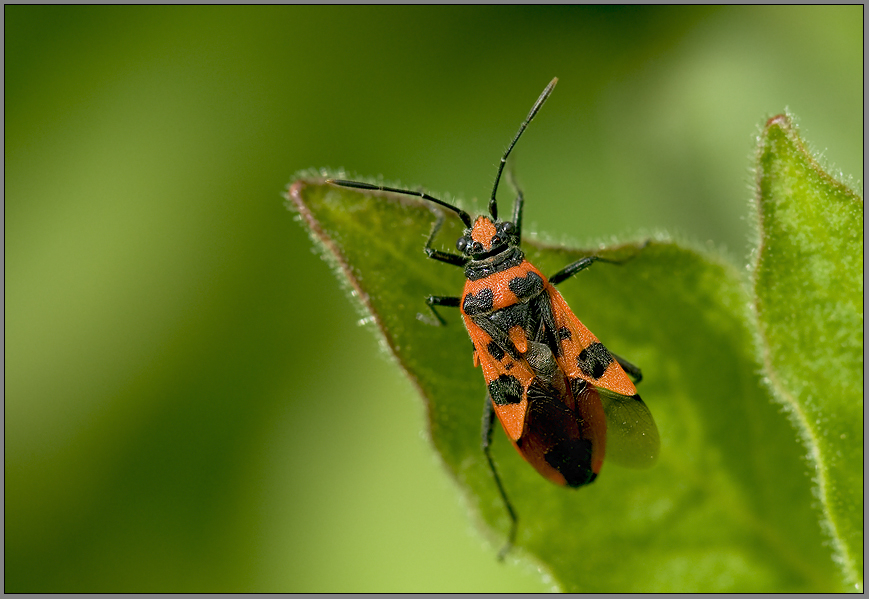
x=488, y=421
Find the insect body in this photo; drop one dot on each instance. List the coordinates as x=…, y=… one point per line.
x=563, y=399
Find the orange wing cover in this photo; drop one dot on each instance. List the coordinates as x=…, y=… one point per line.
x=545, y=397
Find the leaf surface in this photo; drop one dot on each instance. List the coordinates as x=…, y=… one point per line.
x=808, y=286
x=728, y=507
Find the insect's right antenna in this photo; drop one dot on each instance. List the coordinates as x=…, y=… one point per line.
x=466, y=218
x=493, y=203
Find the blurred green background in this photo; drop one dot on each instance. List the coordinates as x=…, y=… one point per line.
x=190, y=402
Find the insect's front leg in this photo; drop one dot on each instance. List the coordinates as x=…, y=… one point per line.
x=438, y=255
x=488, y=421
x=454, y=259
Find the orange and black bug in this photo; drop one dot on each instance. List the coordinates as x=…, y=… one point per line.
x=562, y=398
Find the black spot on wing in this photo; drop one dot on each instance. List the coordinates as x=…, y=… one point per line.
x=564, y=333
x=499, y=334
x=511, y=316
x=495, y=350
x=481, y=303
x=505, y=390
x=526, y=287
x=593, y=360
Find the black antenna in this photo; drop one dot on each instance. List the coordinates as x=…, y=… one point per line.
x=493, y=203
x=466, y=218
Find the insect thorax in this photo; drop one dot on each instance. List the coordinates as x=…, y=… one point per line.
x=480, y=269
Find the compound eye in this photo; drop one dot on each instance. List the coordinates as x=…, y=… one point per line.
x=462, y=244
x=506, y=228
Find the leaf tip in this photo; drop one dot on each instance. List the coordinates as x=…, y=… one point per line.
x=780, y=120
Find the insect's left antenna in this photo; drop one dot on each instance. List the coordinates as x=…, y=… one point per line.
x=493, y=203
x=466, y=218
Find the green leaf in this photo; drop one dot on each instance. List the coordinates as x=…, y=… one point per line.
x=808, y=286
x=728, y=507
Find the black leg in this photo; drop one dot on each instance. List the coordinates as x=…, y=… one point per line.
x=434, y=254
x=488, y=421
x=437, y=300
x=631, y=369
x=581, y=264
